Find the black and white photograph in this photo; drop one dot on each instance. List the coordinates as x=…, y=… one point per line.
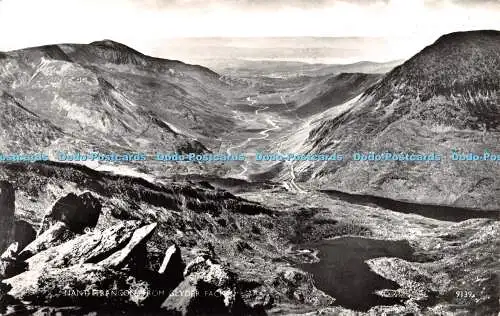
x=250, y=157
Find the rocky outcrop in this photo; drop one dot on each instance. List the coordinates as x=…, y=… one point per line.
x=166, y=279
x=119, y=258
x=171, y=270
x=83, y=271
x=85, y=284
x=7, y=208
x=207, y=270
x=11, y=251
x=4, y=289
x=7, y=268
x=77, y=211
x=52, y=237
x=91, y=247
x=183, y=300
x=299, y=285
x=209, y=289
x=10, y=265
x=172, y=261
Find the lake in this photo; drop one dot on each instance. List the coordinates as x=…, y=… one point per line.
x=343, y=274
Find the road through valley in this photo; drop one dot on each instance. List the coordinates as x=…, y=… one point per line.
x=264, y=131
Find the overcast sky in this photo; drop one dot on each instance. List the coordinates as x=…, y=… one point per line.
x=143, y=24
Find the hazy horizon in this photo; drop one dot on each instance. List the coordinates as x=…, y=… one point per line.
x=303, y=49
x=151, y=26
x=211, y=51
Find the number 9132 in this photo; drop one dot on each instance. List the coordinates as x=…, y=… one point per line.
x=464, y=294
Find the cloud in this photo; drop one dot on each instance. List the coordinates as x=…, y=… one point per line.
x=253, y=4
x=143, y=24
x=464, y=3
x=476, y=1
x=304, y=4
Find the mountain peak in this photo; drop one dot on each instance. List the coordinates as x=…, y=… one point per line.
x=457, y=63
x=110, y=44
x=468, y=35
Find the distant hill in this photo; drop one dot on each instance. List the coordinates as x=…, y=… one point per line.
x=285, y=69
x=445, y=97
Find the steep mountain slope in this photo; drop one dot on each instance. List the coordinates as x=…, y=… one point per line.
x=106, y=94
x=333, y=91
x=447, y=97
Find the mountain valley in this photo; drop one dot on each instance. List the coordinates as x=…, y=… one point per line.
x=285, y=237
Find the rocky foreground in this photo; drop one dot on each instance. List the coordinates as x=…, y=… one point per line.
x=76, y=267
x=78, y=241
x=111, y=243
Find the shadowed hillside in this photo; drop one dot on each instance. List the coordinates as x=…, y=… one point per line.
x=445, y=97
x=106, y=94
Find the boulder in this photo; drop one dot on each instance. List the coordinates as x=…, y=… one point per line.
x=6, y=268
x=9, y=263
x=80, y=285
x=138, y=263
x=4, y=289
x=7, y=208
x=53, y=236
x=11, y=251
x=119, y=258
x=172, y=264
x=170, y=273
x=78, y=212
x=194, y=297
x=180, y=299
x=208, y=289
x=206, y=270
x=88, y=248
x=184, y=300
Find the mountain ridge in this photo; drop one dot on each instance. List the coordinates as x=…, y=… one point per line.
x=390, y=116
x=56, y=51
x=461, y=65
x=108, y=97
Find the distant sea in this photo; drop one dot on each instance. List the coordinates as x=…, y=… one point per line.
x=310, y=50
x=314, y=61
